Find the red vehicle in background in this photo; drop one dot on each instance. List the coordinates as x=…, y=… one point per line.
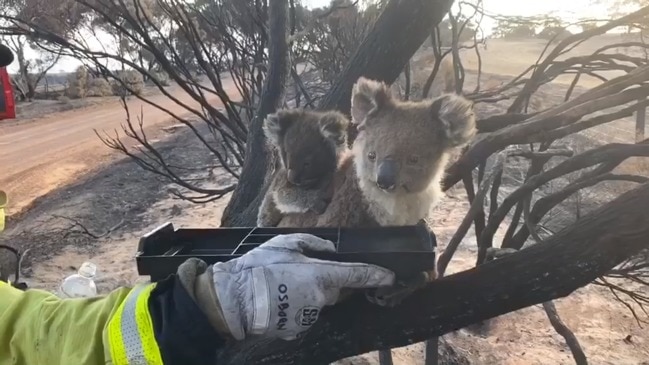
x=7, y=101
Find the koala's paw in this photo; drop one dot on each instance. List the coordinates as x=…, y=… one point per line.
x=394, y=295
x=320, y=206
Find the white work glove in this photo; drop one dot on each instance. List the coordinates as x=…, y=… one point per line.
x=276, y=291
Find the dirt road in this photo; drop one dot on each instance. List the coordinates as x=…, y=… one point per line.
x=39, y=156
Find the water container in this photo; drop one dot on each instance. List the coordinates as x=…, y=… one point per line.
x=81, y=284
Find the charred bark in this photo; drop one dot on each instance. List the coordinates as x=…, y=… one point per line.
x=400, y=30
x=243, y=206
x=570, y=259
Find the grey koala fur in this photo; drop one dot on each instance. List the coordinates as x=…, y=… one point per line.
x=394, y=171
x=403, y=147
x=310, y=145
x=404, y=144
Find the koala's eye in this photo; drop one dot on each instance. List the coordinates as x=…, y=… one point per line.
x=371, y=156
x=413, y=160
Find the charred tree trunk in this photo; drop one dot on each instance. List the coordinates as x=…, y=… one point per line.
x=398, y=32
x=408, y=86
x=246, y=198
x=565, y=262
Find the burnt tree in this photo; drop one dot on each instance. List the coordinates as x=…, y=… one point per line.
x=382, y=55
x=243, y=206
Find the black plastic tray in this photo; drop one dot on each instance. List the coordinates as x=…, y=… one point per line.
x=406, y=250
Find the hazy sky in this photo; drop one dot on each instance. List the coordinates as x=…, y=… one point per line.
x=564, y=8
x=570, y=10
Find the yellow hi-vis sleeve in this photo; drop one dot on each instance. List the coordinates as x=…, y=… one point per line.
x=130, y=335
x=37, y=327
x=3, y=203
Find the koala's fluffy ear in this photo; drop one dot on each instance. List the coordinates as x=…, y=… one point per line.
x=368, y=96
x=333, y=126
x=276, y=124
x=457, y=117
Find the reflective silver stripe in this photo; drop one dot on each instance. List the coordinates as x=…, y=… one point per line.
x=260, y=301
x=130, y=333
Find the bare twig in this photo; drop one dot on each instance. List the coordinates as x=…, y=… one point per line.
x=639, y=299
x=565, y=332
x=586, y=159
x=85, y=230
x=551, y=311
x=476, y=206
x=546, y=203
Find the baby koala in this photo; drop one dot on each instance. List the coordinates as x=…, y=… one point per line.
x=310, y=146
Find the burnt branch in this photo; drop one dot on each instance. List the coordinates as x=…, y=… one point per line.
x=496, y=122
x=85, y=230
x=181, y=41
x=244, y=203
x=565, y=332
x=382, y=40
x=544, y=204
x=537, y=163
x=578, y=162
x=479, y=216
x=537, y=127
x=637, y=298
x=550, y=310
x=542, y=156
x=150, y=159
x=439, y=57
x=540, y=69
x=477, y=205
x=566, y=261
x=548, y=307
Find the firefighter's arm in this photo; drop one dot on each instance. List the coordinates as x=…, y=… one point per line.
x=18, y=329
x=37, y=327
x=273, y=291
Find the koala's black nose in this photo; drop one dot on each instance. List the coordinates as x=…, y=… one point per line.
x=386, y=176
